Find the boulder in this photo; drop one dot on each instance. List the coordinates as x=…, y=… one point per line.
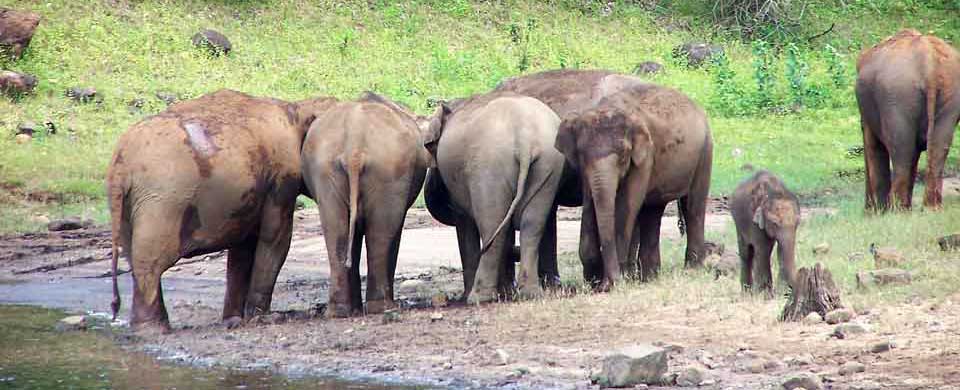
x=949, y=243
x=14, y=84
x=81, y=94
x=722, y=265
x=883, y=277
x=23, y=138
x=806, y=381
x=71, y=323
x=16, y=31
x=821, y=249
x=71, y=223
x=847, y=330
x=839, y=315
x=639, y=364
x=697, y=54
x=213, y=41
x=648, y=68
x=813, y=318
x=851, y=367
x=882, y=346
x=691, y=376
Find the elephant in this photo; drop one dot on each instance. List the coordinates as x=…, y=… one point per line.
x=364, y=162
x=221, y=171
x=636, y=150
x=497, y=170
x=908, y=92
x=765, y=213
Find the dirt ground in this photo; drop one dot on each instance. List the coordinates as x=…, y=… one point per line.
x=551, y=343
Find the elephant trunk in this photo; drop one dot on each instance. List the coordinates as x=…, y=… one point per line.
x=786, y=246
x=602, y=182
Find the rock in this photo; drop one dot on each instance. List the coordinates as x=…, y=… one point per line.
x=213, y=41
x=697, y=54
x=839, y=316
x=800, y=360
x=28, y=128
x=411, y=284
x=16, y=31
x=167, y=97
x=821, y=249
x=81, y=94
x=856, y=256
x=71, y=223
x=882, y=346
x=851, y=367
x=883, y=277
x=805, y=381
x=71, y=323
x=436, y=316
x=648, y=68
x=849, y=329
x=813, y=318
x=15, y=84
x=439, y=300
x=447, y=366
x=390, y=316
x=23, y=138
x=947, y=243
x=639, y=364
x=722, y=265
x=135, y=105
x=670, y=347
x=691, y=376
x=865, y=385
x=501, y=357
x=886, y=257
x=712, y=248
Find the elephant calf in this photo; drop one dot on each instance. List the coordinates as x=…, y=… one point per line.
x=364, y=162
x=497, y=170
x=218, y=172
x=908, y=91
x=765, y=213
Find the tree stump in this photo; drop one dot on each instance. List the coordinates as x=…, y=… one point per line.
x=814, y=291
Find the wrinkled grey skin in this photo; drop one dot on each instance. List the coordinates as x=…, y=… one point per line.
x=765, y=213
x=364, y=162
x=497, y=171
x=638, y=148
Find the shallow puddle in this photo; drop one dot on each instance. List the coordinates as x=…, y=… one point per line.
x=33, y=355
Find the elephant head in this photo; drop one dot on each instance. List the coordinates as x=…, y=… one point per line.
x=612, y=150
x=778, y=215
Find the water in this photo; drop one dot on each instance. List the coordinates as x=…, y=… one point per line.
x=33, y=355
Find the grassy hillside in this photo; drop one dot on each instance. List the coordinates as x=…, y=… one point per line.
x=417, y=51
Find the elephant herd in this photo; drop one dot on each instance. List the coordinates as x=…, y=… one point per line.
x=223, y=171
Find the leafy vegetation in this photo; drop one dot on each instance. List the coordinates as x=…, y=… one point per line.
x=789, y=107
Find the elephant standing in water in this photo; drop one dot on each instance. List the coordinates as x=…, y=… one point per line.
x=218, y=172
x=765, y=213
x=364, y=162
x=681, y=150
x=497, y=170
x=908, y=90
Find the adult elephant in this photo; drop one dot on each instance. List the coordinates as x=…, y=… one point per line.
x=571, y=93
x=218, y=172
x=364, y=163
x=636, y=150
x=497, y=171
x=908, y=91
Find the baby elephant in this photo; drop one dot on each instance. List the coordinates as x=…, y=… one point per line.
x=766, y=213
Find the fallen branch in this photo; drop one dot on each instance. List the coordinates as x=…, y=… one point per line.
x=832, y=25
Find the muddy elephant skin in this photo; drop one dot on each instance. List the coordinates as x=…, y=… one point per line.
x=636, y=150
x=16, y=31
x=498, y=171
x=218, y=172
x=765, y=213
x=908, y=91
x=364, y=162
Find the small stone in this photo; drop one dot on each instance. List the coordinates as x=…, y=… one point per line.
x=390, y=316
x=804, y=381
x=883, y=346
x=849, y=329
x=949, y=243
x=756, y=366
x=839, y=316
x=71, y=323
x=198, y=272
x=447, y=365
x=800, y=360
x=439, y=300
x=648, y=68
x=639, y=364
x=670, y=347
x=215, y=42
x=708, y=382
x=501, y=357
x=167, y=97
x=411, y=284
x=883, y=277
x=691, y=376
x=23, y=138
x=821, y=249
x=813, y=318
x=81, y=94
x=856, y=256
x=713, y=248
x=851, y=367
x=436, y=316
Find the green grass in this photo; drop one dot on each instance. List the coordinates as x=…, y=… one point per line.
x=413, y=52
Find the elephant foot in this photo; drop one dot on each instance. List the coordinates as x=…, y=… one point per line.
x=380, y=305
x=232, y=322
x=338, y=310
x=477, y=297
x=605, y=286
x=152, y=328
x=551, y=282
x=533, y=291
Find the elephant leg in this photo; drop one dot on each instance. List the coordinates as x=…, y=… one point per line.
x=490, y=211
x=354, y=284
x=394, y=254
x=761, y=265
x=903, y=153
x=333, y=218
x=877, y=165
x=468, y=240
x=693, y=208
x=590, y=243
x=240, y=260
x=153, y=251
x=938, y=147
x=382, y=224
x=549, y=270
x=649, y=240
x=273, y=243
x=507, y=281
x=746, y=252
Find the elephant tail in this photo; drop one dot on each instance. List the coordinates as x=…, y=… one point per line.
x=117, y=192
x=525, y=161
x=931, y=99
x=354, y=165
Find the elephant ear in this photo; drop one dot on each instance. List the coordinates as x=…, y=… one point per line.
x=566, y=143
x=758, y=218
x=433, y=129
x=641, y=146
